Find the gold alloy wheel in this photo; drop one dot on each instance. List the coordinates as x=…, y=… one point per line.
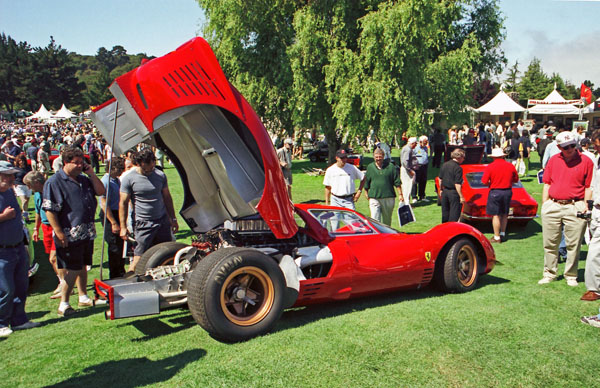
x=247, y=296
x=466, y=265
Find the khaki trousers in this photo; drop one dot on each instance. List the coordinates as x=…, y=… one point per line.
x=382, y=209
x=592, y=262
x=555, y=216
x=407, y=183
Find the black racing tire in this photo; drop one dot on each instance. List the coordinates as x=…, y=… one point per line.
x=458, y=271
x=236, y=294
x=158, y=255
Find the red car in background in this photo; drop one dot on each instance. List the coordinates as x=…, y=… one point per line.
x=523, y=207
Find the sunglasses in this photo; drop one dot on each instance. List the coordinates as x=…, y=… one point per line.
x=568, y=147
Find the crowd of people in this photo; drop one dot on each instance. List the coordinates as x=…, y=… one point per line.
x=135, y=198
x=134, y=195
x=570, y=194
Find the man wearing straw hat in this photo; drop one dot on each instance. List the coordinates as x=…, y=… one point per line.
x=499, y=176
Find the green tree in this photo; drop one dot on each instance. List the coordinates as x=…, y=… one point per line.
x=512, y=80
x=345, y=67
x=14, y=68
x=117, y=56
x=483, y=91
x=535, y=84
x=482, y=20
x=250, y=40
x=98, y=92
x=54, y=81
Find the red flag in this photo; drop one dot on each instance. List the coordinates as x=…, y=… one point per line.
x=586, y=93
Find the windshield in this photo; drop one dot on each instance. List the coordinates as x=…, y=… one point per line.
x=474, y=179
x=382, y=228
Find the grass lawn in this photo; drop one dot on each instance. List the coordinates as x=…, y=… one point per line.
x=507, y=332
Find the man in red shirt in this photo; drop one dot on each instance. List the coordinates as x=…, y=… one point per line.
x=567, y=180
x=499, y=176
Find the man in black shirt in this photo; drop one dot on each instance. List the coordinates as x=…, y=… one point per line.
x=451, y=180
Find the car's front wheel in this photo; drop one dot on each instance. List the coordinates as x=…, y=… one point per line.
x=236, y=293
x=458, y=270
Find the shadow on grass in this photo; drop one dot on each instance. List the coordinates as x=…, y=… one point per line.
x=132, y=372
x=513, y=230
x=81, y=313
x=158, y=326
x=298, y=317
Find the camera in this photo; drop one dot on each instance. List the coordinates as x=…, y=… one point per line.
x=585, y=215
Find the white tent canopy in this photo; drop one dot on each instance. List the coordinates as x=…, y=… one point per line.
x=500, y=104
x=42, y=114
x=64, y=113
x=553, y=104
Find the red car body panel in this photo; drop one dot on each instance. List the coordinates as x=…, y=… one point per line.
x=187, y=77
x=365, y=264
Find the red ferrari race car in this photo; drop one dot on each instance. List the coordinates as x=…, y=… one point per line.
x=523, y=207
x=254, y=253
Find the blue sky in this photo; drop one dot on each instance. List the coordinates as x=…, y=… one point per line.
x=562, y=34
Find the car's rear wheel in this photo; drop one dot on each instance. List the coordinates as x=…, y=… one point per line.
x=158, y=255
x=458, y=271
x=236, y=293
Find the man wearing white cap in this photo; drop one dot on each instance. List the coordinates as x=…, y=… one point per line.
x=408, y=166
x=567, y=180
x=499, y=176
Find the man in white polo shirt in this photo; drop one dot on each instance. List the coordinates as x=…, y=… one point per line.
x=339, y=182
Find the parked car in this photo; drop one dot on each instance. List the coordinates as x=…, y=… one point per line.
x=523, y=207
x=321, y=153
x=254, y=253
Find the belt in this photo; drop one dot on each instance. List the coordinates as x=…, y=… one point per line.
x=566, y=201
x=11, y=246
x=343, y=196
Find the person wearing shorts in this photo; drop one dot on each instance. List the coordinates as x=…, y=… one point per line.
x=499, y=176
x=70, y=205
x=35, y=181
x=154, y=214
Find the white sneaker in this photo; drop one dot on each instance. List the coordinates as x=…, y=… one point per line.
x=591, y=320
x=413, y=201
x=572, y=282
x=5, y=331
x=27, y=325
x=546, y=280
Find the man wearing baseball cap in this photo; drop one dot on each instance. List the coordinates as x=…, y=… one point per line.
x=14, y=260
x=567, y=180
x=339, y=182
